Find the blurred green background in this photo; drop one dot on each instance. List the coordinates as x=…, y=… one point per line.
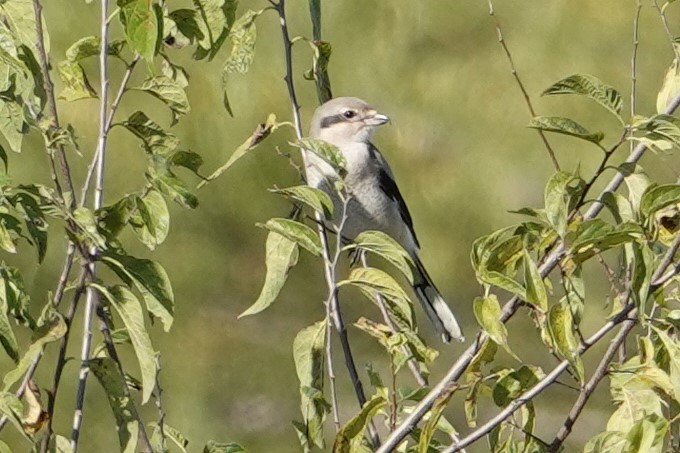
x=457, y=144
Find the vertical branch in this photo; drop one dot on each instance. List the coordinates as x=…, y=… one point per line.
x=92, y=296
x=527, y=99
x=633, y=60
x=336, y=315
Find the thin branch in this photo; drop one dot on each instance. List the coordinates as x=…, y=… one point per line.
x=92, y=295
x=109, y=123
x=412, y=362
x=331, y=370
x=633, y=61
x=527, y=99
x=510, y=308
x=52, y=109
x=626, y=316
x=159, y=405
x=664, y=21
x=335, y=305
x=591, y=385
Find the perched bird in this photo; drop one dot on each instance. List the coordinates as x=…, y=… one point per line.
x=375, y=202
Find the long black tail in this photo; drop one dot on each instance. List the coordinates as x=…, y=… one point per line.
x=434, y=304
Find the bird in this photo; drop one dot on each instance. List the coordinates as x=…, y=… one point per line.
x=375, y=202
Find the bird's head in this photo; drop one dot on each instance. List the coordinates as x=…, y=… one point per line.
x=345, y=119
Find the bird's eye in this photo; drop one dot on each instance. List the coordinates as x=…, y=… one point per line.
x=349, y=114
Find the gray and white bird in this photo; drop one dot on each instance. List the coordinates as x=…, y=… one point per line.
x=375, y=202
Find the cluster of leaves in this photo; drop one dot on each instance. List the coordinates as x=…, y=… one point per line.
x=149, y=32
x=636, y=239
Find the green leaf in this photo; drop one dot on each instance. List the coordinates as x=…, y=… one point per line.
x=637, y=181
x=130, y=310
x=6, y=240
x=76, y=84
x=350, y=436
x=435, y=416
x=187, y=159
x=384, y=246
x=392, y=341
x=156, y=140
x=87, y=226
x=52, y=330
x=12, y=124
x=596, y=235
x=214, y=20
x=243, y=35
x=34, y=218
x=107, y=373
x=168, y=91
x=7, y=337
x=281, y=256
x=537, y=295
x=21, y=17
x=90, y=46
x=593, y=88
x=371, y=281
x=261, y=132
x=151, y=281
x=512, y=385
x=11, y=407
x=655, y=198
x=217, y=447
x=163, y=179
x=565, y=126
x=151, y=223
x=641, y=259
x=619, y=206
x=670, y=86
x=322, y=54
x=487, y=310
x=647, y=435
x=557, y=201
x=141, y=26
x=609, y=441
x=297, y=232
x=327, y=151
x=308, y=353
x=561, y=327
x=315, y=198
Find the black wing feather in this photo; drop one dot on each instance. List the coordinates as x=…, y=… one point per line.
x=389, y=187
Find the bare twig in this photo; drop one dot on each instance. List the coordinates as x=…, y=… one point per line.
x=335, y=305
x=664, y=21
x=633, y=61
x=109, y=123
x=331, y=370
x=510, y=307
x=527, y=99
x=92, y=301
